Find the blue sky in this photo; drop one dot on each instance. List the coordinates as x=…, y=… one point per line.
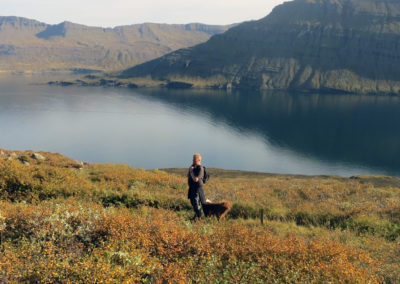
x=110, y=13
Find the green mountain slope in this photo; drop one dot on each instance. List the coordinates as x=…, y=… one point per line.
x=341, y=45
x=31, y=46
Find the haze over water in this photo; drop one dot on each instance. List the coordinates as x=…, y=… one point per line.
x=273, y=132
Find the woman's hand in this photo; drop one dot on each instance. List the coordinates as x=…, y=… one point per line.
x=196, y=179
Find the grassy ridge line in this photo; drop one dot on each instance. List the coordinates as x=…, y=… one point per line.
x=91, y=203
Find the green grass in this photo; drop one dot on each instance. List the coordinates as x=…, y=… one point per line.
x=85, y=214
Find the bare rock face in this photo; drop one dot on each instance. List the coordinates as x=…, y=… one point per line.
x=311, y=45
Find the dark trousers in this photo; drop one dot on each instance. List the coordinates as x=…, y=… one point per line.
x=196, y=199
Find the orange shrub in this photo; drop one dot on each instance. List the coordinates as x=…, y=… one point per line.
x=91, y=244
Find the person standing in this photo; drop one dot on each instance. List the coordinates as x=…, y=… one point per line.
x=196, y=176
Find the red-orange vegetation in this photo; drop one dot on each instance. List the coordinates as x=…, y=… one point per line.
x=123, y=245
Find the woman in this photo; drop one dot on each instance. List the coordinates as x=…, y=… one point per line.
x=195, y=180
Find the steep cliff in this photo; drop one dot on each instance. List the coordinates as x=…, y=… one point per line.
x=334, y=45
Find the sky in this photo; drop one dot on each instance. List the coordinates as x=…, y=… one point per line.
x=111, y=13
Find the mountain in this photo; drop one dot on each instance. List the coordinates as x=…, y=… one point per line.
x=309, y=45
x=31, y=46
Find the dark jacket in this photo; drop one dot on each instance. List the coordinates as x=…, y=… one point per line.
x=196, y=187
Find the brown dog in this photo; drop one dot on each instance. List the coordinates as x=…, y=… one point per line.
x=218, y=210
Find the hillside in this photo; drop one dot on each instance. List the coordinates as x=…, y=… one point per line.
x=309, y=45
x=29, y=46
x=62, y=219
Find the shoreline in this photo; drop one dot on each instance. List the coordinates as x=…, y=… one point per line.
x=66, y=79
x=148, y=83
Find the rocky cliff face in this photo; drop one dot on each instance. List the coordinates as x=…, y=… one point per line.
x=31, y=46
x=335, y=45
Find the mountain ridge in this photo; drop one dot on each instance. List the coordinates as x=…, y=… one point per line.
x=30, y=46
x=311, y=45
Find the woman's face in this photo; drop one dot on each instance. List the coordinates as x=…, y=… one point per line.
x=197, y=161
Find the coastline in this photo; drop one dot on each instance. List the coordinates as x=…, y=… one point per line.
x=203, y=84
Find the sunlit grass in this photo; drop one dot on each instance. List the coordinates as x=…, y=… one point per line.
x=61, y=219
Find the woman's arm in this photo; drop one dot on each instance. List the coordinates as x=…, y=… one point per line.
x=198, y=177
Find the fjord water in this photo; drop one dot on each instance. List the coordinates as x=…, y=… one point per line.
x=275, y=132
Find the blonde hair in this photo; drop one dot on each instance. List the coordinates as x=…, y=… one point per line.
x=195, y=156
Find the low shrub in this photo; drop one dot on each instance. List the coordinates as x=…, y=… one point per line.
x=85, y=243
x=244, y=211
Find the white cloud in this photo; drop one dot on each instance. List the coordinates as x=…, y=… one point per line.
x=125, y=12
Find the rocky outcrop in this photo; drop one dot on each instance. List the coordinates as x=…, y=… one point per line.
x=38, y=156
x=309, y=45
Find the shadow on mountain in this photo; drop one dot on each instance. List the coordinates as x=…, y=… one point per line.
x=343, y=129
x=7, y=50
x=349, y=46
x=53, y=31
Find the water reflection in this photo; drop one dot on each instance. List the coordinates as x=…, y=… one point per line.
x=270, y=132
x=355, y=130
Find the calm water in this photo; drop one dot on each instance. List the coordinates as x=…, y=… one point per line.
x=269, y=132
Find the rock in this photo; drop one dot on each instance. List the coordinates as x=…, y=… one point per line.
x=81, y=83
x=78, y=165
x=133, y=86
x=26, y=163
x=23, y=159
x=179, y=85
x=65, y=83
x=12, y=156
x=37, y=156
x=91, y=77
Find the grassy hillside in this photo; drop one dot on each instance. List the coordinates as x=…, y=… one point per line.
x=61, y=219
x=29, y=46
